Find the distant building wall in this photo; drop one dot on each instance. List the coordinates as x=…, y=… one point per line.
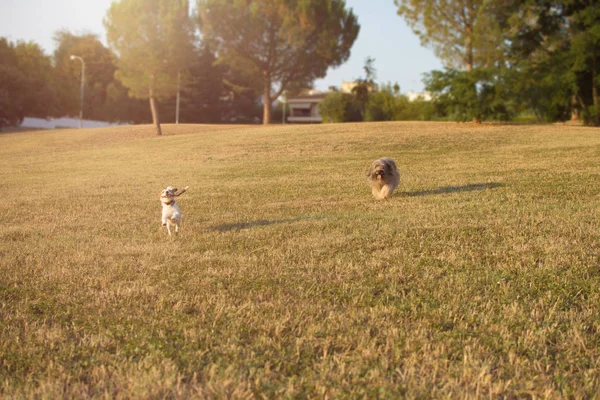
x=305, y=108
x=412, y=96
x=59, y=123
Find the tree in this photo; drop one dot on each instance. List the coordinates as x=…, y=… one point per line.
x=554, y=46
x=26, y=83
x=279, y=42
x=383, y=105
x=11, y=80
x=461, y=32
x=364, y=86
x=99, y=75
x=340, y=107
x=202, y=90
x=152, y=40
x=474, y=95
x=584, y=23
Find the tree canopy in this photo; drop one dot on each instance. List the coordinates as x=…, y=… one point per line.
x=153, y=40
x=26, y=83
x=462, y=33
x=279, y=42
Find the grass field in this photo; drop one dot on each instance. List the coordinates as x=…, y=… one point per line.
x=479, y=278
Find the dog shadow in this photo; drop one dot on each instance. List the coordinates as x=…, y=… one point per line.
x=455, y=189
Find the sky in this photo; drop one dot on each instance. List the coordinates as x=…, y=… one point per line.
x=384, y=36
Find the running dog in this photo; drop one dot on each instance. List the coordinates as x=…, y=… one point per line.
x=383, y=177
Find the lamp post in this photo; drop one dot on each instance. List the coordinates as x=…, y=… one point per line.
x=73, y=57
x=177, y=101
x=284, y=103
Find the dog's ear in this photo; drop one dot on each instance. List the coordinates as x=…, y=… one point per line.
x=174, y=190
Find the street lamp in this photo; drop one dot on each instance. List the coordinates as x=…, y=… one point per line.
x=177, y=101
x=73, y=57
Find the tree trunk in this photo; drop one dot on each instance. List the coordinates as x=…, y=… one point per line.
x=595, y=92
x=469, y=49
x=584, y=108
x=575, y=115
x=154, y=109
x=471, y=16
x=267, y=101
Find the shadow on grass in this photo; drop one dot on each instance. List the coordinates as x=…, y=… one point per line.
x=455, y=189
x=258, y=223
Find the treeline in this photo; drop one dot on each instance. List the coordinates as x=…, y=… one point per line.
x=35, y=84
x=504, y=58
x=368, y=101
x=264, y=47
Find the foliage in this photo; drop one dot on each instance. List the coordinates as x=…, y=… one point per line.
x=26, y=83
x=339, y=107
x=153, y=41
x=463, y=33
x=364, y=86
x=585, y=50
x=11, y=79
x=383, y=105
x=278, y=43
x=99, y=75
x=477, y=95
x=202, y=90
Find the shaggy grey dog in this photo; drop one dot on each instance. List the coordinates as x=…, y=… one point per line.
x=383, y=177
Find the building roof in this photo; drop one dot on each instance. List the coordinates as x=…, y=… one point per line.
x=307, y=97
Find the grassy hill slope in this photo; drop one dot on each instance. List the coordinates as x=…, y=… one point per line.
x=480, y=277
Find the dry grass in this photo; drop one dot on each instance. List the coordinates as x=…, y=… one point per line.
x=480, y=278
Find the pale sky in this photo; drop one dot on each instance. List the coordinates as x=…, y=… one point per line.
x=383, y=36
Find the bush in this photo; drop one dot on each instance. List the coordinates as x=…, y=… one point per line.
x=470, y=96
x=382, y=106
x=339, y=107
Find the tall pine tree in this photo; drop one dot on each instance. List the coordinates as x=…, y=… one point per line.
x=279, y=42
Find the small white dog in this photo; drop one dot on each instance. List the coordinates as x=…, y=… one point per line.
x=171, y=214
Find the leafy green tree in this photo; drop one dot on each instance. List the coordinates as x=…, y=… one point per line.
x=240, y=100
x=38, y=89
x=279, y=42
x=202, y=89
x=364, y=86
x=462, y=33
x=340, y=107
x=454, y=91
x=26, y=83
x=584, y=23
x=99, y=74
x=153, y=40
x=554, y=51
x=383, y=105
x=121, y=107
x=11, y=81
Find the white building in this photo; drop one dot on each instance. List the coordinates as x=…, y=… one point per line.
x=64, y=122
x=305, y=108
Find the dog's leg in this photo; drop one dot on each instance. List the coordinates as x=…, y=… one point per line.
x=169, y=227
x=384, y=192
x=376, y=193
